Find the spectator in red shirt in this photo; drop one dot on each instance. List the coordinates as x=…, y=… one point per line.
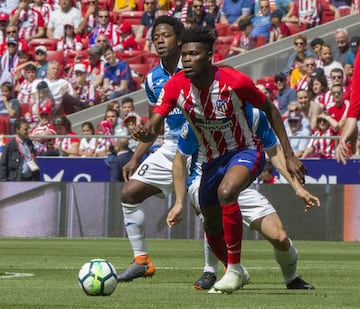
x=13, y=32
x=278, y=29
x=70, y=42
x=29, y=21
x=340, y=109
x=126, y=38
x=44, y=8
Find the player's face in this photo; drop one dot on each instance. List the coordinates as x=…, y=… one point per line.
x=195, y=57
x=165, y=41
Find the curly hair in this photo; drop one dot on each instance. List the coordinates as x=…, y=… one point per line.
x=171, y=21
x=202, y=35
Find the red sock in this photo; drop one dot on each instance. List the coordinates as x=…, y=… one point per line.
x=232, y=222
x=218, y=246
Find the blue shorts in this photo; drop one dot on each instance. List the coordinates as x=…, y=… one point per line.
x=213, y=172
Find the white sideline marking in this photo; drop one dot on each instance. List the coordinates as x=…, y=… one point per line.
x=7, y=275
x=197, y=268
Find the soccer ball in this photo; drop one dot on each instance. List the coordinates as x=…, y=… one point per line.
x=98, y=278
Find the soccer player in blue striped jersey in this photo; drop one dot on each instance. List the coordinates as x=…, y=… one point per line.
x=257, y=212
x=154, y=175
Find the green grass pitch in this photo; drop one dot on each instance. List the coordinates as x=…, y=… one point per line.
x=333, y=267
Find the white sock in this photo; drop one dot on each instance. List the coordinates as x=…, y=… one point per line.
x=134, y=220
x=236, y=268
x=211, y=261
x=288, y=262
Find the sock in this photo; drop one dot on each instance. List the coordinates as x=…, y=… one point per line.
x=232, y=222
x=134, y=220
x=288, y=262
x=211, y=261
x=218, y=246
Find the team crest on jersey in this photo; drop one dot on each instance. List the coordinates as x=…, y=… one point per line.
x=221, y=105
x=184, y=131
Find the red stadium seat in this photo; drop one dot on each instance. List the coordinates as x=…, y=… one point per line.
x=132, y=17
x=140, y=69
x=50, y=44
x=222, y=29
x=260, y=41
x=141, y=42
x=344, y=11
x=134, y=56
x=151, y=59
x=326, y=16
x=222, y=44
x=234, y=29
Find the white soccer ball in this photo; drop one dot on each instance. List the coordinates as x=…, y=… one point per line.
x=98, y=278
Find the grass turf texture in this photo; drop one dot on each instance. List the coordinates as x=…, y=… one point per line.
x=333, y=267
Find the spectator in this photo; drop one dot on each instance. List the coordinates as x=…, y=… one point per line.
x=13, y=32
x=296, y=73
x=242, y=41
x=95, y=67
x=201, y=17
x=58, y=18
x=88, y=21
x=8, y=6
x=126, y=38
x=309, y=109
x=41, y=61
x=284, y=6
x=129, y=124
x=87, y=144
x=300, y=43
x=308, y=68
x=42, y=98
x=318, y=88
x=43, y=127
x=278, y=29
x=284, y=94
x=83, y=90
x=70, y=42
x=66, y=145
x=102, y=40
x=30, y=21
x=117, y=76
x=179, y=10
x=328, y=62
x=103, y=144
x=44, y=8
x=10, y=58
x=147, y=18
x=316, y=45
x=104, y=26
x=350, y=57
x=233, y=11
x=307, y=13
x=124, y=6
x=261, y=21
x=4, y=21
x=123, y=155
x=212, y=8
x=295, y=107
x=59, y=87
x=25, y=90
x=267, y=175
x=19, y=72
x=321, y=146
x=340, y=109
x=9, y=108
x=297, y=132
x=342, y=45
x=127, y=106
x=18, y=161
x=337, y=76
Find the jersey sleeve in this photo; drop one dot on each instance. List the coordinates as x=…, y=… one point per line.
x=167, y=98
x=265, y=132
x=187, y=143
x=354, y=109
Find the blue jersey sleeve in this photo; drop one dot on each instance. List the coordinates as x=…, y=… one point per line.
x=187, y=144
x=265, y=132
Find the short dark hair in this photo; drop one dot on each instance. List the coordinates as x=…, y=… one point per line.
x=18, y=122
x=243, y=23
x=127, y=100
x=171, y=21
x=202, y=35
x=105, y=48
x=30, y=67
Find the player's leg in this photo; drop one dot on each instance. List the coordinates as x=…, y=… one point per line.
x=154, y=176
x=270, y=226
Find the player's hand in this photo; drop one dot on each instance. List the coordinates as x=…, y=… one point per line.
x=309, y=199
x=129, y=168
x=342, y=152
x=175, y=215
x=296, y=169
x=140, y=133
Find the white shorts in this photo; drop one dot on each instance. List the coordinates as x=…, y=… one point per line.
x=156, y=170
x=252, y=203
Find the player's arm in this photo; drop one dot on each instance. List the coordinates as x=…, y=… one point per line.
x=277, y=158
x=179, y=178
x=295, y=167
x=349, y=131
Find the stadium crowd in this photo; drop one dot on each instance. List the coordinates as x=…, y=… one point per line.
x=62, y=56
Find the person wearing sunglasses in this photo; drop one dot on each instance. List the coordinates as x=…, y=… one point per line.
x=104, y=26
x=30, y=22
x=13, y=32
x=147, y=18
x=300, y=46
x=340, y=108
x=59, y=17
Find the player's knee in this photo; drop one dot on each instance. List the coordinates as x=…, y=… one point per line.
x=281, y=240
x=128, y=196
x=130, y=208
x=227, y=194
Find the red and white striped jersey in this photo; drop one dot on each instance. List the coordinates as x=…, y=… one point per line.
x=24, y=93
x=28, y=22
x=217, y=113
x=324, y=147
x=45, y=10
